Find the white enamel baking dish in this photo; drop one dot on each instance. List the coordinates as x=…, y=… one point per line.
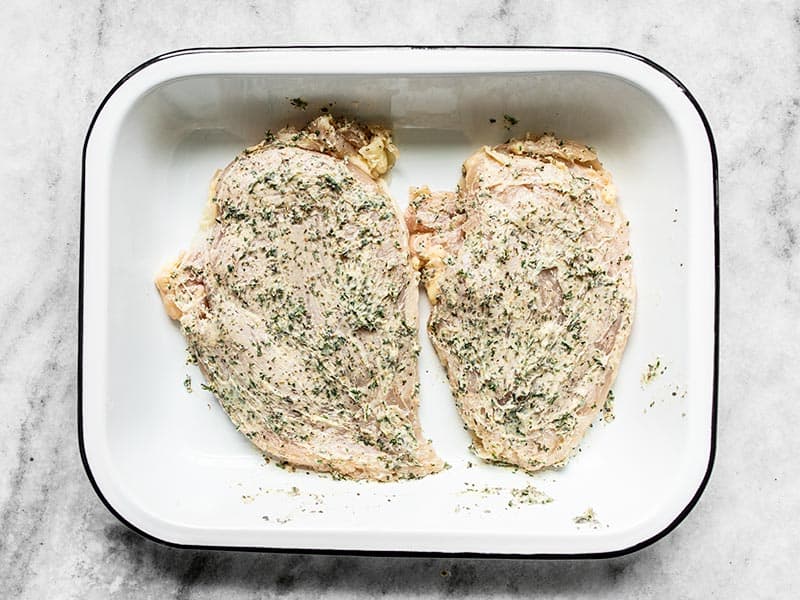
x=170, y=464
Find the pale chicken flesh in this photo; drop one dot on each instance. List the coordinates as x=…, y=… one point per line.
x=298, y=302
x=528, y=269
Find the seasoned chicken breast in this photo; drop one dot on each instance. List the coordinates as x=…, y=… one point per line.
x=528, y=268
x=299, y=304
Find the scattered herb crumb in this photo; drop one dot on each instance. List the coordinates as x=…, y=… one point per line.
x=191, y=359
x=471, y=488
x=298, y=103
x=530, y=495
x=608, y=407
x=187, y=383
x=588, y=517
x=493, y=120
x=652, y=371
x=526, y=495
x=509, y=121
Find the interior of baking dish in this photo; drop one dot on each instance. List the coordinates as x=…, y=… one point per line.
x=171, y=464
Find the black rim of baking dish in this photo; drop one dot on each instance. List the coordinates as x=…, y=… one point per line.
x=611, y=554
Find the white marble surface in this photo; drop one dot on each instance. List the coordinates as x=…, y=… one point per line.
x=742, y=62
